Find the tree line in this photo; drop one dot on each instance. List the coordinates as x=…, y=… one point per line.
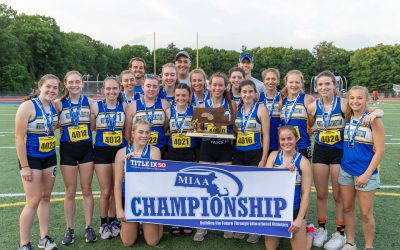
x=33, y=45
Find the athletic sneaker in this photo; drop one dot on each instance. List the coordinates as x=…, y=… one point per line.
x=228, y=235
x=90, y=235
x=105, y=232
x=199, y=235
x=26, y=247
x=115, y=230
x=349, y=246
x=321, y=235
x=253, y=238
x=68, y=237
x=239, y=236
x=47, y=243
x=336, y=242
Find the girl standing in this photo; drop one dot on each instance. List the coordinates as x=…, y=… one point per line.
x=169, y=81
x=235, y=76
x=127, y=80
x=198, y=80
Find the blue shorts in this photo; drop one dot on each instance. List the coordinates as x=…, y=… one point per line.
x=346, y=179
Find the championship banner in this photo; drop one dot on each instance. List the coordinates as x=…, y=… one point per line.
x=217, y=197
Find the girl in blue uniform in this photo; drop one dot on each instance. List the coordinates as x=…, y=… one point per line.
x=107, y=118
x=217, y=151
x=328, y=112
x=363, y=149
x=149, y=108
x=127, y=80
x=138, y=148
x=235, y=76
x=76, y=153
x=288, y=157
x=270, y=99
x=35, y=142
x=169, y=81
x=294, y=109
x=198, y=81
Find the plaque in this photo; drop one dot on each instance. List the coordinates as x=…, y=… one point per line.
x=217, y=121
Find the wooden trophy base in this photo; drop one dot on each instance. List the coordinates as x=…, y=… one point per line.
x=210, y=135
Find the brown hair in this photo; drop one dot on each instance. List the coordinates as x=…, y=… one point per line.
x=284, y=91
x=170, y=65
x=329, y=74
x=72, y=72
x=272, y=70
x=111, y=78
x=124, y=72
x=246, y=83
x=349, y=112
x=137, y=59
x=41, y=81
x=226, y=94
x=291, y=129
x=136, y=124
x=235, y=69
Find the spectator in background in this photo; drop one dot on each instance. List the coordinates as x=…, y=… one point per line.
x=246, y=63
x=138, y=66
x=183, y=63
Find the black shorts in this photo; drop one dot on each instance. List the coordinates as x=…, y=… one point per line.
x=41, y=163
x=247, y=158
x=74, y=153
x=181, y=154
x=327, y=155
x=105, y=155
x=306, y=152
x=210, y=152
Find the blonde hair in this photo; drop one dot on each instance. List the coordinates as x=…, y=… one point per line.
x=284, y=91
x=349, y=112
x=170, y=65
x=41, y=81
x=291, y=129
x=201, y=72
x=136, y=123
x=68, y=74
x=272, y=70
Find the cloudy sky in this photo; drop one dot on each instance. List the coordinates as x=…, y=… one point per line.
x=227, y=24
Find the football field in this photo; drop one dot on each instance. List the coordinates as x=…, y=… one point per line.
x=387, y=202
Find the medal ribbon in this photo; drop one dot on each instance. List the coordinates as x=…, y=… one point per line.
x=146, y=148
x=288, y=116
x=243, y=119
x=326, y=117
x=149, y=117
x=75, y=115
x=111, y=122
x=179, y=126
x=274, y=100
x=352, y=136
x=48, y=117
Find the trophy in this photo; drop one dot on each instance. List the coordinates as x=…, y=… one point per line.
x=217, y=120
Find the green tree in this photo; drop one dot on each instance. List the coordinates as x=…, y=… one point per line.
x=15, y=78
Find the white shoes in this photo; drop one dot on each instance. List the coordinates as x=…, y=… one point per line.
x=105, y=232
x=336, y=242
x=321, y=235
x=347, y=246
x=199, y=235
x=253, y=238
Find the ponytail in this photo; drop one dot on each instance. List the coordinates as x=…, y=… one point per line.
x=36, y=92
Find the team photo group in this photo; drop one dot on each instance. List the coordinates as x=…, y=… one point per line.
x=141, y=115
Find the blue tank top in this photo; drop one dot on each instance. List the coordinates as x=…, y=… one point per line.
x=177, y=139
x=138, y=90
x=330, y=125
x=81, y=131
x=163, y=95
x=227, y=129
x=249, y=129
x=358, y=155
x=294, y=113
x=235, y=98
x=296, y=160
x=154, y=115
x=135, y=96
x=274, y=111
x=196, y=102
x=105, y=135
x=40, y=139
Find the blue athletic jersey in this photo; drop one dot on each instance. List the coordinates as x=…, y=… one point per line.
x=84, y=122
x=104, y=135
x=227, y=129
x=196, y=102
x=250, y=139
x=235, y=98
x=157, y=135
x=296, y=160
x=298, y=119
x=177, y=139
x=40, y=142
x=332, y=133
x=275, y=120
x=163, y=95
x=138, y=90
x=135, y=96
x=356, y=160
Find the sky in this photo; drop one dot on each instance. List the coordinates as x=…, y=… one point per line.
x=225, y=24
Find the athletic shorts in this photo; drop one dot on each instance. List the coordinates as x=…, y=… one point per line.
x=74, y=153
x=347, y=179
x=104, y=155
x=326, y=155
x=41, y=163
x=306, y=152
x=247, y=158
x=181, y=154
x=210, y=152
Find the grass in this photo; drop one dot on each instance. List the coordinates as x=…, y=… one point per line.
x=386, y=207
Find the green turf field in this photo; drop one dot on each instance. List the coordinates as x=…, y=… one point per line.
x=387, y=203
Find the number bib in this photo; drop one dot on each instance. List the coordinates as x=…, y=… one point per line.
x=112, y=138
x=153, y=138
x=329, y=137
x=78, y=133
x=211, y=128
x=47, y=143
x=180, y=141
x=245, y=139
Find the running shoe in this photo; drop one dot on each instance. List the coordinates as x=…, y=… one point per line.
x=336, y=242
x=47, y=243
x=253, y=238
x=199, y=235
x=26, y=247
x=321, y=235
x=349, y=246
x=69, y=237
x=115, y=230
x=105, y=232
x=239, y=236
x=90, y=235
x=229, y=235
